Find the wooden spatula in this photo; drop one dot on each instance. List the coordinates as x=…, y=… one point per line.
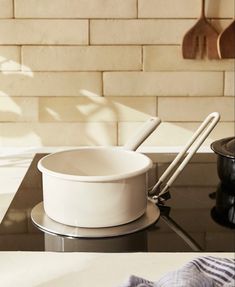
x=226, y=42
x=201, y=39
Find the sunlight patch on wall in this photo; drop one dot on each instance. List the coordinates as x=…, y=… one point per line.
x=174, y=134
x=27, y=73
x=7, y=104
x=53, y=114
x=3, y=94
x=8, y=67
x=23, y=135
x=84, y=92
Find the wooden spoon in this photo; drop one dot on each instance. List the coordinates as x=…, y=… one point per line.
x=226, y=42
x=201, y=39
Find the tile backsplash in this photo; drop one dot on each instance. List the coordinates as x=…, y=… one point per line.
x=88, y=72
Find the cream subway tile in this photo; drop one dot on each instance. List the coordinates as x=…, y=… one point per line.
x=21, y=109
x=168, y=154
x=195, y=109
x=220, y=24
x=6, y=8
x=184, y=8
x=220, y=8
x=131, y=108
x=18, y=134
x=50, y=84
x=75, y=9
x=151, y=31
x=169, y=58
x=169, y=9
x=10, y=58
x=96, y=109
x=41, y=32
x=57, y=134
x=163, y=83
x=174, y=134
x=229, y=87
x=82, y=58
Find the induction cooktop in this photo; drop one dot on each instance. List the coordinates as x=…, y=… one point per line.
x=198, y=217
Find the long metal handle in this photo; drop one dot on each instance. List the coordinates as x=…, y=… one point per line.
x=140, y=136
x=204, y=130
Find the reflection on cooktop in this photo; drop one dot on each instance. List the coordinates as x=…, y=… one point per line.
x=224, y=210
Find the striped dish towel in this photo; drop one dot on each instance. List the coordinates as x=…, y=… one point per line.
x=205, y=271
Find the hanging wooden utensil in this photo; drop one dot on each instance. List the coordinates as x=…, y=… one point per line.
x=201, y=39
x=226, y=42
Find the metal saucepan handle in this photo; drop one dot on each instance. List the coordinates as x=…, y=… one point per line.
x=203, y=131
x=140, y=136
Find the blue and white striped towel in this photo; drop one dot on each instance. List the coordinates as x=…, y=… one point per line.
x=205, y=271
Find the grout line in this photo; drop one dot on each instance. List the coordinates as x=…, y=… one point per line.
x=223, y=83
x=137, y=9
x=120, y=18
x=142, y=58
x=102, y=83
x=157, y=106
x=13, y=9
x=89, y=32
x=21, y=58
x=117, y=137
x=38, y=118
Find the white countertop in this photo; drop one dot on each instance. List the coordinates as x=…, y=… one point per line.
x=38, y=269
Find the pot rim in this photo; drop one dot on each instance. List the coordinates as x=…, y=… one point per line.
x=147, y=164
x=216, y=146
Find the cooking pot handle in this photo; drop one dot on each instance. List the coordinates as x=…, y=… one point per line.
x=140, y=136
x=203, y=131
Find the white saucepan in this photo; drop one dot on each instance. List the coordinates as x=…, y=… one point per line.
x=101, y=187
x=97, y=186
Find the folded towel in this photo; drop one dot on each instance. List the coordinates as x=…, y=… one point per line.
x=205, y=271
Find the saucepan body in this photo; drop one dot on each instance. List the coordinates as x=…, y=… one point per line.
x=94, y=186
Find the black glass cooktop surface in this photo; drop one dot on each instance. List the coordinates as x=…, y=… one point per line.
x=199, y=216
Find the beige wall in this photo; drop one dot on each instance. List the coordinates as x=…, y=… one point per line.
x=87, y=72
